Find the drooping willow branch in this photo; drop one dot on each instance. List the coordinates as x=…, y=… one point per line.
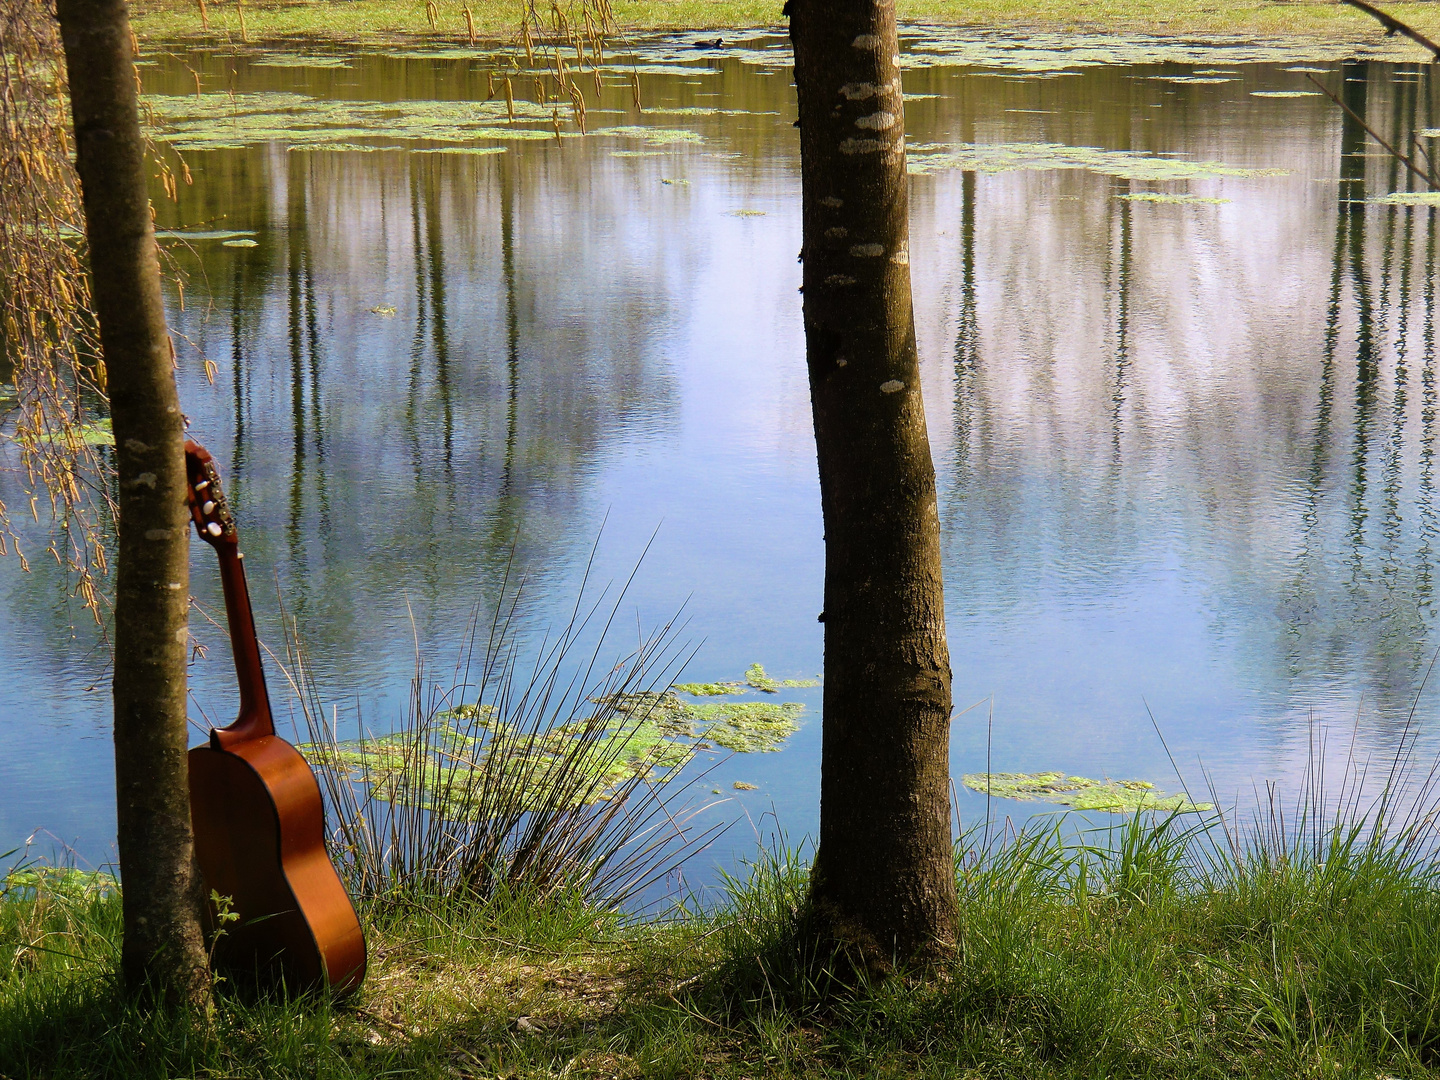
x=47, y=335
x=1395, y=26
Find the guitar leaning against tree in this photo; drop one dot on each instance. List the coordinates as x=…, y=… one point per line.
x=258, y=817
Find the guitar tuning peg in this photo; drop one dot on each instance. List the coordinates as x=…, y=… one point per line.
x=214, y=528
x=202, y=485
x=208, y=508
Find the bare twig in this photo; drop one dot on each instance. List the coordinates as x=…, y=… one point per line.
x=1406, y=161
x=1395, y=26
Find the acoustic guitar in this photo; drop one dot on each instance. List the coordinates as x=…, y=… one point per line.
x=256, y=809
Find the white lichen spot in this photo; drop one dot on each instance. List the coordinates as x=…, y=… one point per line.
x=877, y=121
x=157, y=534
x=839, y=279
x=181, y=635
x=838, y=232
x=891, y=387
x=840, y=361
x=867, y=251
x=174, y=586
x=859, y=91
x=862, y=146
x=145, y=479
x=832, y=202
x=866, y=41
x=895, y=61
x=135, y=446
x=901, y=256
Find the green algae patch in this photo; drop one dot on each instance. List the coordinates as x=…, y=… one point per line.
x=709, y=689
x=1166, y=197
x=1407, y=198
x=341, y=148
x=746, y=727
x=755, y=676
x=1080, y=793
x=474, y=150
x=385, y=311
x=296, y=60
x=656, y=136
x=468, y=755
x=240, y=243
x=224, y=121
x=927, y=158
x=203, y=234
x=741, y=785
x=96, y=433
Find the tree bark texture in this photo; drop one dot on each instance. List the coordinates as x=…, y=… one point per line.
x=163, y=948
x=883, y=885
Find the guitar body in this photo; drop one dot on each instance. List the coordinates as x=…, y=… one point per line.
x=260, y=840
x=256, y=810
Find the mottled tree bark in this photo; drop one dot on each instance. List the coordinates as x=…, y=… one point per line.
x=163, y=948
x=883, y=885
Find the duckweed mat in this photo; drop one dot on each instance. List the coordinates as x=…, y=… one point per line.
x=1080, y=793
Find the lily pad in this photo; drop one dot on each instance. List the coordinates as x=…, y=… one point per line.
x=1079, y=792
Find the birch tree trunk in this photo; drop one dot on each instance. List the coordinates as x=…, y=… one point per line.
x=883, y=885
x=163, y=950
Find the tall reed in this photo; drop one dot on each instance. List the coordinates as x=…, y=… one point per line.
x=532, y=770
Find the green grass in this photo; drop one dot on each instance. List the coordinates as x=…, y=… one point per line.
x=1142, y=951
x=354, y=21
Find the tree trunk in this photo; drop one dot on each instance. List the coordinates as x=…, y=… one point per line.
x=163, y=948
x=883, y=885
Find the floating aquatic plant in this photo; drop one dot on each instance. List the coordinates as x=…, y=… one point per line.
x=655, y=136
x=220, y=120
x=1166, y=197
x=708, y=689
x=746, y=727
x=384, y=310
x=244, y=243
x=1079, y=792
x=1284, y=93
x=755, y=676
x=298, y=60
x=929, y=158
x=203, y=234
x=1407, y=198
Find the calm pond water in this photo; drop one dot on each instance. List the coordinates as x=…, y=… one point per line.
x=1180, y=379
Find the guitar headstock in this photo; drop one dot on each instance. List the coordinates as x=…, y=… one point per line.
x=208, y=507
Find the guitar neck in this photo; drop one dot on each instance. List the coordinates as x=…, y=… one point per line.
x=255, y=719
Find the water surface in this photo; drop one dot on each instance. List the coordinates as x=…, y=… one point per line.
x=1180, y=380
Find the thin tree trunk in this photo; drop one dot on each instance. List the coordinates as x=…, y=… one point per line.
x=163, y=949
x=883, y=885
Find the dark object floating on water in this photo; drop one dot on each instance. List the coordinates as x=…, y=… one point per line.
x=718, y=43
x=259, y=822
